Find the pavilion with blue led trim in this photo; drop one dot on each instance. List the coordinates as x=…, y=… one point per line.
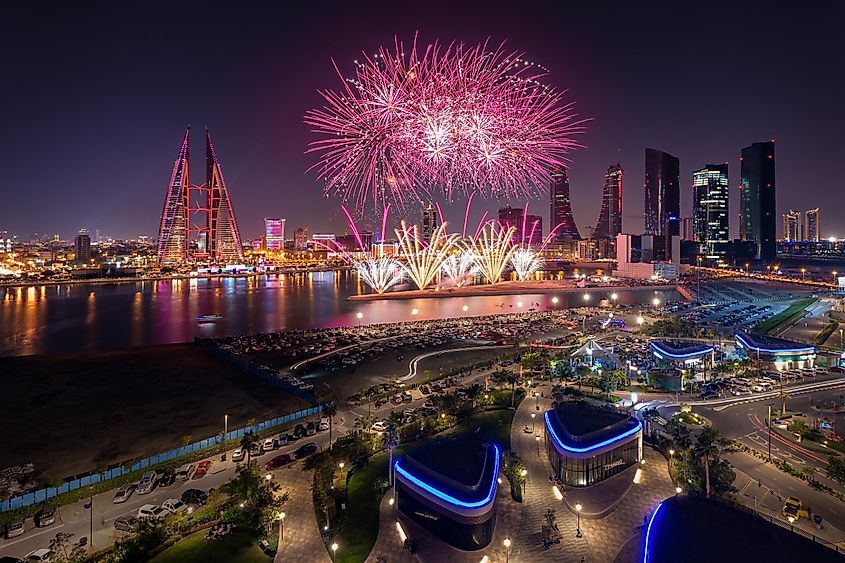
x=779, y=353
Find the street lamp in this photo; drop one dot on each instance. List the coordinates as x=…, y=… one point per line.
x=359, y=315
x=678, y=490
x=507, y=543
x=334, y=550
x=614, y=297
x=282, y=525
x=414, y=311
x=537, y=396
x=555, y=300
x=640, y=320
x=655, y=302
x=537, y=439
x=341, y=464
x=532, y=421
x=578, y=508
x=671, y=453
x=586, y=297
x=465, y=308
x=803, y=270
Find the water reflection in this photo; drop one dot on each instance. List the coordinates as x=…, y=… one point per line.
x=93, y=317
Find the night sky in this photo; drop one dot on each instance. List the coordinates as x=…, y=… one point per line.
x=95, y=98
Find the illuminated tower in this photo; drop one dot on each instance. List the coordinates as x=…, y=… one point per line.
x=792, y=226
x=198, y=222
x=610, y=218
x=811, y=225
x=429, y=222
x=560, y=214
x=710, y=208
x=757, y=221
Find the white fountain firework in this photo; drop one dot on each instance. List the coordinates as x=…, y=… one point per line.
x=525, y=262
x=492, y=247
x=460, y=267
x=380, y=273
x=423, y=260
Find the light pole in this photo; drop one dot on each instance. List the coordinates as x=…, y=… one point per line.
x=225, y=425
x=840, y=338
x=640, y=320
x=282, y=526
x=334, y=550
x=614, y=297
x=803, y=270
x=769, y=428
x=537, y=439
x=532, y=422
x=507, y=543
x=578, y=508
x=537, y=396
x=524, y=472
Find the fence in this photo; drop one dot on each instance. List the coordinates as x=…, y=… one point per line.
x=76, y=482
x=265, y=374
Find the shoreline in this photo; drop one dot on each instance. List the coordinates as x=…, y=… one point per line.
x=100, y=281
x=502, y=288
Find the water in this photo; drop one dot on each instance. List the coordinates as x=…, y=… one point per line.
x=52, y=319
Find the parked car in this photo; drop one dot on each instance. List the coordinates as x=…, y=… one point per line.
x=407, y=397
x=167, y=478
x=379, y=426
x=269, y=445
x=305, y=450
x=184, y=472
x=238, y=454
x=256, y=449
x=298, y=432
x=42, y=554
x=126, y=524
x=147, y=484
x=194, y=497
x=283, y=439
x=10, y=559
x=324, y=424
x=152, y=511
x=14, y=529
x=425, y=390
x=278, y=461
x=202, y=469
x=45, y=516
x=310, y=429
x=174, y=505
x=123, y=493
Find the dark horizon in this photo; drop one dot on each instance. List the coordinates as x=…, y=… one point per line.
x=97, y=98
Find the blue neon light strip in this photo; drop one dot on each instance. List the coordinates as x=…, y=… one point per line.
x=665, y=352
x=448, y=498
x=648, y=531
x=607, y=442
x=742, y=340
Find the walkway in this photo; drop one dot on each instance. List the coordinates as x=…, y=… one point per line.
x=302, y=540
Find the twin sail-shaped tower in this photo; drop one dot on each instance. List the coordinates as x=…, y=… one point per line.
x=198, y=221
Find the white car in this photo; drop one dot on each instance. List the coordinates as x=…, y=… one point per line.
x=147, y=483
x=324, y=424
x=152, y=511
x=269, y=445
x=184, y=472
x=283, y=439
x=123, y=494
x=379, y=426
x=174, y=505
x=39, y=555
x=238, y=454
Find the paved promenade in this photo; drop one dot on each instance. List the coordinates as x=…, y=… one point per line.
x=302, y=540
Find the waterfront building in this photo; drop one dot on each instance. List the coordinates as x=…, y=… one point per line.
x=429, y=222
x=811, y=225
x=792, y=228
x=300, y=239
x=758, y=198
x=777, y=353
x=82, y=246
x=205, y=210
x=449, y=488
x=274, y=234
x=711, y=190
x=662, y=198
x=610, y=217
x=635, y=258
x=561, y=220
x=586, y=445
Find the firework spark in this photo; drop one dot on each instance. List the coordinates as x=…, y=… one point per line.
x=455, y=118
x=461, y=267
x=525, y=262
x=423, y=260
x=380, y=273
x=492, y=248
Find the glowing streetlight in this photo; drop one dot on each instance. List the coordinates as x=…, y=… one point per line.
x=655, y=301
x=555, y=300
x=614, y=297
x=532, y=421
x=678, y=490
x=803, y=271
x=282, y=525
x=414, y=311
x=465, y=308
x=519, y=303
x=578, y=508
x=507, y=543
x=640, y=320
x=334, y=550
x=341, y=464
x=586, y=297
x=269, y=476
x=359, y=315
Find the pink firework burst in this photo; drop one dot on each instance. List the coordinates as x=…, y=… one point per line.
x=441, y=120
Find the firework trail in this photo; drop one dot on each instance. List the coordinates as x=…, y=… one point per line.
x=461, y=267
x=493, y=249
x=424, y=260
x=440, y=119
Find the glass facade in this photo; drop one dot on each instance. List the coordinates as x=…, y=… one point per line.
x=468, y=536
x=582, y=472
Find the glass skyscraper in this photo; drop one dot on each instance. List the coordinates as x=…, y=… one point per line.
x=610, y=218
x=560, y=213
x=758, y=222
x=662, y=193
x=710, y=209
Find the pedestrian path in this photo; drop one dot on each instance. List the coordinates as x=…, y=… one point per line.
x=301, y=539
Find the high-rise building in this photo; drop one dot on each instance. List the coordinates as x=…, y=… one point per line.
x=811, y=225
x=610, y=217
x=533, y=231
x=274, y=234
x=217, y=237
x=429, y=222
x=662, y=193
x=82, y=246
x=300, y=239
x=561, y=219
x=687, y=228
x=757, y=222
x=711, y=189
x=512, y=217
x=792, y=228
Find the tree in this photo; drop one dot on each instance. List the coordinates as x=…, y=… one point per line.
x=799, y=427
x=836, y=469
x=707, y=449
x=248, y=440
x=783, y=396
x=330, y=410
x=390, y=440
x=583, y=371
x=680, y=434
x=513, y=379
x=558, y=392
x=607, y=383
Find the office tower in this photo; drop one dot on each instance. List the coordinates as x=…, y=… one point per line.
x=792, y=231
x=688, y=228
x=710, y=209
x=757, y=195
x=811, y=225
x=662, y=200
x=610, y=217
x=217, y=236
x=561, y=219
x=82, y=246
x=510, y=217
x=429, y=222
x=274, y=234
x=300, y=239
x=532, y=233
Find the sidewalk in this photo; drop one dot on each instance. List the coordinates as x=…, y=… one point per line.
x=302, y=540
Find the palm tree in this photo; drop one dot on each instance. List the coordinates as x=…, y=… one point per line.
x=248, y=440
x=390, y=440
x=783, y=396
x=558, y=392
x=330, y=410
x=513, y=379
x=707, y=448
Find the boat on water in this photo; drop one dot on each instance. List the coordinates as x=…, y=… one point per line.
x=209, y=318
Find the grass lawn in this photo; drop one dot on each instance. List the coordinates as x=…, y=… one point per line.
x=768, y=325
x=235, y=548
x=362, y=523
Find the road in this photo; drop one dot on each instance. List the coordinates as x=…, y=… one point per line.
x=807, y=328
